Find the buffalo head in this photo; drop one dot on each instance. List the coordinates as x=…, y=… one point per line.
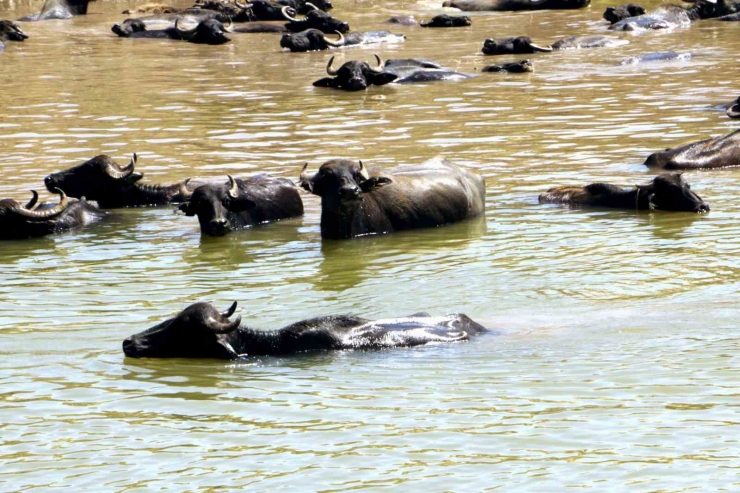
x=506, y=46
x=670, y=192
x=315, y=19
x=341, y=183
x=212, y=203
x=209, y=31
x=128, y=27
x=10, y=31
x=94, y=179
x=355, y=76
x=445, y=20
x=196, y=332
x=11, y=210
x=309, y=40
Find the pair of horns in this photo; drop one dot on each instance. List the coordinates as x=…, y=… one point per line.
x=303, y=178
x=118, y=173
x=219, y=327
x=30, y=211
x=333, y=72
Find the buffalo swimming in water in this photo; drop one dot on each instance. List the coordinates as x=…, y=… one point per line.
x=717, y=152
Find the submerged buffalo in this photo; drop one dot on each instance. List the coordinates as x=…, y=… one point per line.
x=357, y=76
x=314, y=19
x=521, y=67
x=520, y=45
x=32, y=221
x=358, y=201
x=616, y=14
x=592, y=41
x=210, y=31
x=111, y=185
x=239, y=204
x=59, y=9
x=513, y=5
x=315, y=40
x=668, y=192
x=445, y=20
x=719, y=152
x=667, y=17
x=661, y=56
x=201, y=331
x=10, y=31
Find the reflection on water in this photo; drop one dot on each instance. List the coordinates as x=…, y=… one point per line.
x=611, y=365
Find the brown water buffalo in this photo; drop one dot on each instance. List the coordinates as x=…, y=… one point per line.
x=239, y=204
x=717, y=152
x=33, y=221
x=111, y=185
x=356, y=200
x=513, y=5
x=202, y=331
x=668, y=192
x=521, y=45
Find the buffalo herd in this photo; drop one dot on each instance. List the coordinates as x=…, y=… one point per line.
x=356, y=199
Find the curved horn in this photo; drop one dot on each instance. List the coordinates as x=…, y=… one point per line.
x=234, y=188
x=111, y=170
x=313, y=7
x=230, y=27
x=284, y=10
x=337, y=43
x=185, y=194
x=304, y=181
x=241, y=6
x=177, y=28
x=223, y=327
x=328, y=68
x=380, y=66
x=230, y=311
x=363, y=171
x=55, y=211
x=32, y=204
x=304, y=176
x=541, y=48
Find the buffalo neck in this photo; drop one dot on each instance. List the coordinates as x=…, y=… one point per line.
x=339, y=221
x=250, y=341
x=141, y=195
x=637, y=198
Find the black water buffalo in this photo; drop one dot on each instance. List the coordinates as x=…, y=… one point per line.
x=445, y=20
x=10, y=31
x=667, y=17
x=357, y=76
x=201, y=331
x=111, y=185
x=662, y=56
x=357, y=201
x=512, y=46
x=719, y=152
x=733, y=109
x=592, y=41
x=513, y=5
x=314, y=40
x=164, y=21
x=31, y=221
x=621, y=12
x=209, y=31
x=521, y=67
x=59, y=9
x=239, y=204
x=668, y=192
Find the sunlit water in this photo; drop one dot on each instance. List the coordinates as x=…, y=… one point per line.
x=613, y=365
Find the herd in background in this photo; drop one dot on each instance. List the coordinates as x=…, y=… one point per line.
x=356, y=199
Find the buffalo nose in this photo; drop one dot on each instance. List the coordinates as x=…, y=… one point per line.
x=703, y=209
x=128, y=345
x=350, y=192
x=219, y=225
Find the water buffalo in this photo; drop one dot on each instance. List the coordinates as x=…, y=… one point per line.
x=209, y=31
x=314, y=40
x=315, y=19
x=733, y=109
x=445, y=20
x=521, y=67
x=668, y=192
x=358, y=201
x=303, y=6
x=10, y=31
x=31, y=221
x=513, y=5
x=616, y=14
x=593, y=41
x=201, y=331
x=239, y=204
x=357, y=76
x=58, y=9
x=402, y=20
x=667, y=17
x=662, y=56
x=719, y=152
x=130, y=26
x=111, y=185
x=512, y=46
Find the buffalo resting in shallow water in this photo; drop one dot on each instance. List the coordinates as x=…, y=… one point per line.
x=209, y=31
x=201, y=331
x=356, y=200
x=59, y=9
x=315, y=40
x=10, y=31
x=240, y=204
x=520, y=45
x=521, y=67
x=718, y=152
x=33, y=221
x=111, y=185
x=668, y=192
x=357, y=76
x=445, y=20
x=616, y=14
x=513, y=5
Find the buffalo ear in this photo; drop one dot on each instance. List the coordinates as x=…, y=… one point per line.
x=374, y=183
x=242, y=204
x=185, y=207
x=383, y=78
x=326, y=82
x=134, y=177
